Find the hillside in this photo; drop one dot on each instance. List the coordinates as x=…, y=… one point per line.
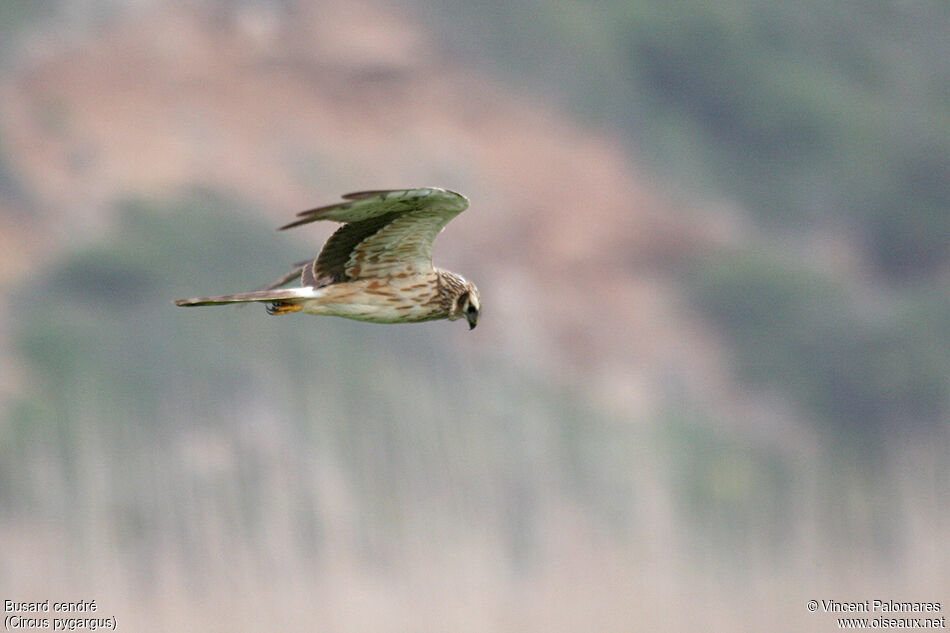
x=289, y=112
x=675, y=412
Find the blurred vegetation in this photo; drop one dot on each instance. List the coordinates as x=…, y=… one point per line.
x=818, y=117
x=240, y=443
x=870, y=372
x=811, y=113
x=123, y=382
x=11, y=191
x=146, y=423
x=15, y=14
x=738, y=491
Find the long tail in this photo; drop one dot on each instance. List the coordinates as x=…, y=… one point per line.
x=244, y=297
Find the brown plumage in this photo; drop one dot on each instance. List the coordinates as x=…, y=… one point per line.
x=376, y=267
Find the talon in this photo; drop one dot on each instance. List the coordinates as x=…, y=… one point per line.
x=282, y=307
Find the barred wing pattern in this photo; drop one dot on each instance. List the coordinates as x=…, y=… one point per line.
x=386, y=233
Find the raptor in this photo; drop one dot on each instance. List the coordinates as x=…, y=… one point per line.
x=377, y=267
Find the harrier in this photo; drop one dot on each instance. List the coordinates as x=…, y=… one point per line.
x=376, y=267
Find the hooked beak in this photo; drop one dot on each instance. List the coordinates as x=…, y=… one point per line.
x=472, y=321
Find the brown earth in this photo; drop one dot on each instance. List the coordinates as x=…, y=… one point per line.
x=575, y=252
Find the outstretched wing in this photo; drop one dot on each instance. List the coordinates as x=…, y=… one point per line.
x=385, y=233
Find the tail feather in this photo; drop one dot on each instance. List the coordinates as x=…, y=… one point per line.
x=283, y=294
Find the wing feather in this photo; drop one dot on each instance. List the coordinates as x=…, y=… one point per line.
x=386, y=232
x=330, y=266
x=362, y=205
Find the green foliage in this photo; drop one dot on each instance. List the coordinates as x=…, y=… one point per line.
x=11, y=188
x=160, y=403
x=813, y=114
x=867, y=374
x=909, y=214
x=102, y=314
x=735, y=489
x=14, y=14
x=809, y=112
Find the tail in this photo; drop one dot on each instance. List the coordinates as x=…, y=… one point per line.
x=265, y=296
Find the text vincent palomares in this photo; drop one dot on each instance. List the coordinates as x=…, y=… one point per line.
x=879, y=606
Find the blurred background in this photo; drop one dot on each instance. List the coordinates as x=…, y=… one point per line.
x=710, y=381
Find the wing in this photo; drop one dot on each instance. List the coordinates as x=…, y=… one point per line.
x=364, y=205
x=386, y=233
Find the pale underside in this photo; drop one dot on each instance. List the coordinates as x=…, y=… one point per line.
x=407, y=299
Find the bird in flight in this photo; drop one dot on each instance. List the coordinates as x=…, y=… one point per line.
x=377, y=267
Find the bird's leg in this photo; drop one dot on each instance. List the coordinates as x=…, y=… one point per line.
x=282, y=307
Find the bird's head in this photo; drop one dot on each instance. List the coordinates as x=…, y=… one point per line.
x=467, y=305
